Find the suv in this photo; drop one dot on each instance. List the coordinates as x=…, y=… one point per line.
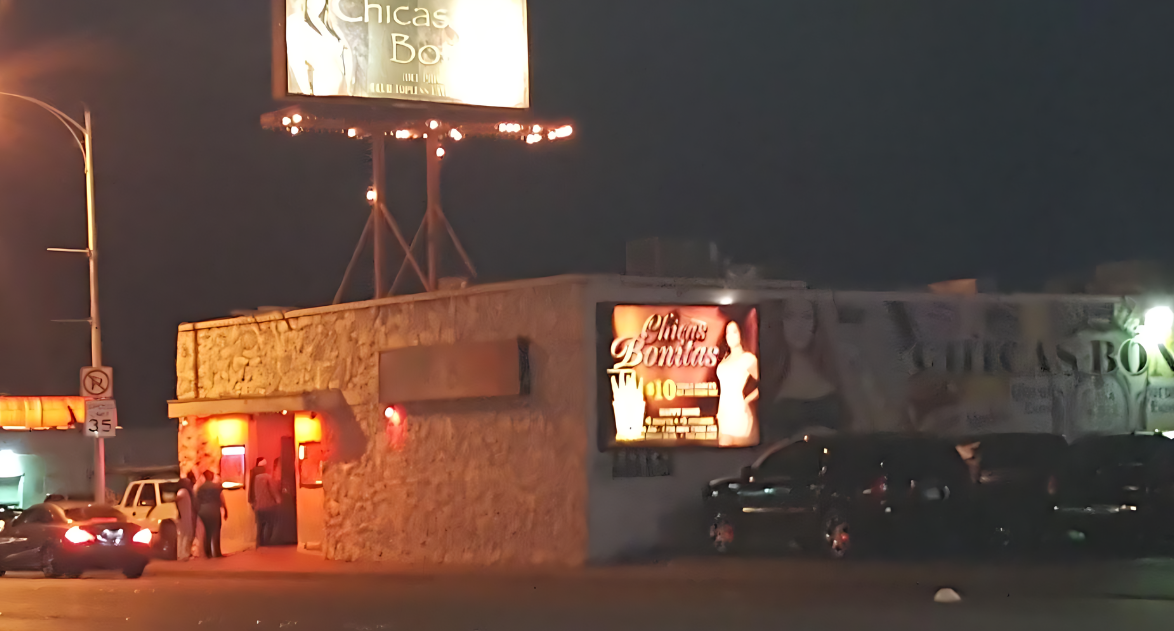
x=151, y=504
x=1118, y=490
x=1015, y=488
x=842, y=493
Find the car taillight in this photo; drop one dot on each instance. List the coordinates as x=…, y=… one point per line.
x=878, y=488
x=143, y=536
x=77, y=535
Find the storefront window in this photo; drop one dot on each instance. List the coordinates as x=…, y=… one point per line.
x=310, y=464
x=232, y=467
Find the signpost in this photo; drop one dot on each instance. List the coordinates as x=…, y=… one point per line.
x=101, y=420
x=97, y=385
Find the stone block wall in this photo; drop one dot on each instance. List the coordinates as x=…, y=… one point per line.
x=472, y=482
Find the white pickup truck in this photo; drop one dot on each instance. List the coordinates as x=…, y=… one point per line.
x=151, y=504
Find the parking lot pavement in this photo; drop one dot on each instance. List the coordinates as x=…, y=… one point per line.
x=698, y=594
x=1090, y=578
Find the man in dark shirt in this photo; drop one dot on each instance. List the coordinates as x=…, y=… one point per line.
x=210, y=499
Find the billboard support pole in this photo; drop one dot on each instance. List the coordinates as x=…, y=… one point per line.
x=432, y=214
x=350, y=268
x=379, y=180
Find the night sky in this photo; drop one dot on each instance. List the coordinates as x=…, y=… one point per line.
x=860, y=143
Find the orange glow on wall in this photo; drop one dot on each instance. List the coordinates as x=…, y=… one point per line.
x=307, y=428
x=231, y=430
x=41, y=412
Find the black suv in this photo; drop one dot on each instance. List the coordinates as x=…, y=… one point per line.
x=1118, y=491
x=1015, y=488
x=840, y=494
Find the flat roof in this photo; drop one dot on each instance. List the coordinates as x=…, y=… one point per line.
x=619, y=281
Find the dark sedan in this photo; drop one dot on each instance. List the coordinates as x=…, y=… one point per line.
x=68, y=538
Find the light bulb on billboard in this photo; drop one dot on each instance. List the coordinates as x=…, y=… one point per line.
x=297, y=118
x=352, y=132
x=286, y=121
x=294, y=130
x=440, y=152
x=433, y=124
x=1157, y=326
x=456, y=135
x=371, y=194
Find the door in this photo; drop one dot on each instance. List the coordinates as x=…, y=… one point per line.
x=148, y=497
x=784, y=492
x=286, y=532
x=129, y=498
x=20, y=544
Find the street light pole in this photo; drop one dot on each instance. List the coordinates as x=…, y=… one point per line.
x=83, y=135
x=95, y=322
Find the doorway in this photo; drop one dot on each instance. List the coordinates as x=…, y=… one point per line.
x=275, y=443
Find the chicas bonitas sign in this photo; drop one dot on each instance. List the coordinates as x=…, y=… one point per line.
x=469, y=52
x=679, y=375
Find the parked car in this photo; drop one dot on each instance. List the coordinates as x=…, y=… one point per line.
x=840, y=494
x=1118, y=491
x=151, y=505
x=1015, y=484
x=68, y=538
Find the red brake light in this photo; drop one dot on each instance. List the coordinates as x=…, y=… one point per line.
x=77, y=535
x=878, y=488
x=143, y=536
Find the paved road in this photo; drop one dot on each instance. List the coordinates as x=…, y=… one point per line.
x=775, y=594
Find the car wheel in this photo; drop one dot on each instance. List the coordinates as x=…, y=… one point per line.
x=722, y=535
x=168, y=542
x=837, y=539
x=135, y=571
x=50, y=566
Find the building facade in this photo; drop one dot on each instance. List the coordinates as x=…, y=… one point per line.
x=575, y=419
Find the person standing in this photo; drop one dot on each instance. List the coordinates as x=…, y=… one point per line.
x=266, y=500
x=257, y=469
x=210, y=498
x=184, y=505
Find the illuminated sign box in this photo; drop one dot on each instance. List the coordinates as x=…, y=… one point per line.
x=674, y=375
x=461, y=52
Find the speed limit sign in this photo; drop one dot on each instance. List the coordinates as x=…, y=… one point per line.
x=101, y=418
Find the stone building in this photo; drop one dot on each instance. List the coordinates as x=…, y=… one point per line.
x=478, y=426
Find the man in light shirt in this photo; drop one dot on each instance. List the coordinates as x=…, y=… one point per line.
x=266, y=499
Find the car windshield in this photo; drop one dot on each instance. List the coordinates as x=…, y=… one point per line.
x=86, y=513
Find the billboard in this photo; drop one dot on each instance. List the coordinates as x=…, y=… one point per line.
x=464, y=52
x=874, y=362
x=861, y=362
x=678, y=375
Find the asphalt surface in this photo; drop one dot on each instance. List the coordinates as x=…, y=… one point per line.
x=710, y=595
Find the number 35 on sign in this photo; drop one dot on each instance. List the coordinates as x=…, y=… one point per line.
x=101, y=418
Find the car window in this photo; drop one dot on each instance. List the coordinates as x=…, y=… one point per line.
x=87, y=513
x=798, y=460
x=147, y=495
x=131, y=493
x=168, y=491
x=35, y=515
